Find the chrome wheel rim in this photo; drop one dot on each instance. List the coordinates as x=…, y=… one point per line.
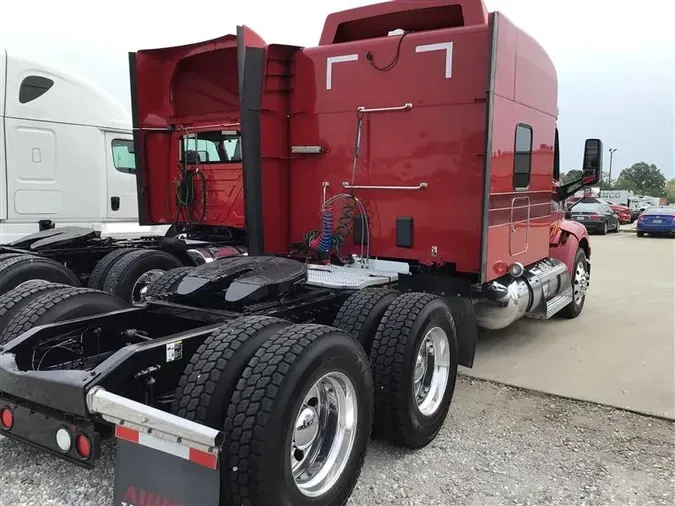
x=432, y=371
x=143, y=282
x=323, y=434
x=580, y=283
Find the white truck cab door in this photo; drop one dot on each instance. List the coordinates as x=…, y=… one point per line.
x=121, y=177
x=3, y=168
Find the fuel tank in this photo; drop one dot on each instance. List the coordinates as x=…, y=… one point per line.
x=540, y=292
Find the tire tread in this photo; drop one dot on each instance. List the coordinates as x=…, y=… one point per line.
x=354, y=312
x=251, y=408
x=204, y=370
x=31, y=313
x=103, y=266
x=8, y=262
x=387, y=362
x=10, y=300
x=167, y=283
x=115, y=276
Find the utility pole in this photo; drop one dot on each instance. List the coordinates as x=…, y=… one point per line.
x=611, y=156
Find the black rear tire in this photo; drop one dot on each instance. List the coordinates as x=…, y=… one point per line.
x=17, y=269
x=263, y=412
x=640, y=234
x=59, y=305
x=121, y=280
x=103, y=266
x=167, y=284
x=393, y=358
x=361, y=313
x=205, y=388
x=15, y=300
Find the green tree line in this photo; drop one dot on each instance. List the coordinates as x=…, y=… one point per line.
x=641, y=178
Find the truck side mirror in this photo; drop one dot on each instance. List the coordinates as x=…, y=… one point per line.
x=592, y=166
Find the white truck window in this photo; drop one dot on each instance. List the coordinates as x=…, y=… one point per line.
x=123, y=155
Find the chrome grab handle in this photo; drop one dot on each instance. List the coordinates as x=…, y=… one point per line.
x=403, y=107
x=348, y=186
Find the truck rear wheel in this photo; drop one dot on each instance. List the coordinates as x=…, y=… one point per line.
x=205, y=388
x=414, y=361
x=303, y=405
x=361, y=313
x=15, y=300
x=65, y=303
x=167, y=283
x=132, y=272
x=103, y=266
x=17, y=269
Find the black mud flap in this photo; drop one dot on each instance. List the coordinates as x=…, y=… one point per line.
x=148, y=477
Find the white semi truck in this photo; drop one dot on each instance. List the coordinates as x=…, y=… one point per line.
x=68, y=189
x=66, y=155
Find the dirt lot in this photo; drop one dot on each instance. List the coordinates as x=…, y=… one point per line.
x=620, y=351
x=500, y=446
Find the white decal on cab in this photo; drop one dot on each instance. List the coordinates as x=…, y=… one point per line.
x=336, y=59
x=441, y=46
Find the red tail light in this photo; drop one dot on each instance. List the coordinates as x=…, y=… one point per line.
x=6, y=418
x=83, y=446
x=595, y=217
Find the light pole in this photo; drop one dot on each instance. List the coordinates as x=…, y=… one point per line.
x=611, y=156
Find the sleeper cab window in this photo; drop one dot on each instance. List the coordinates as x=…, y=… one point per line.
x=123, y=155
x=522, y=159
x=33, y=87
x=216, y=147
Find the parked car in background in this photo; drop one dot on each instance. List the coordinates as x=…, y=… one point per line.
x=625, y=213
x=656, y=221
x=595, y=216
x=635, y=214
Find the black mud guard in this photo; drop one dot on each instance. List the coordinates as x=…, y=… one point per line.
x=52, y=237
x=457, y=293
x=245, y=278
x=145, y=475
x=467, y=329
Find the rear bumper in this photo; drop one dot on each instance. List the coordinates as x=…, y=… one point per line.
x=63, y=391
x=592, y=226
x=37, y=426
x=656, y=229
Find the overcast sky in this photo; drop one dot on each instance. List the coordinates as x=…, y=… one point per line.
x=615, y=60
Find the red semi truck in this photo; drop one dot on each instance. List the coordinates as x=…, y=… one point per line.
x=396, y=187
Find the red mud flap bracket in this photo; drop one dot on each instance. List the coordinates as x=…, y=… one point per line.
x=162, y=459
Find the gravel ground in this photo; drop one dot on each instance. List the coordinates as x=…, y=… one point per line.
x=500, y=446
